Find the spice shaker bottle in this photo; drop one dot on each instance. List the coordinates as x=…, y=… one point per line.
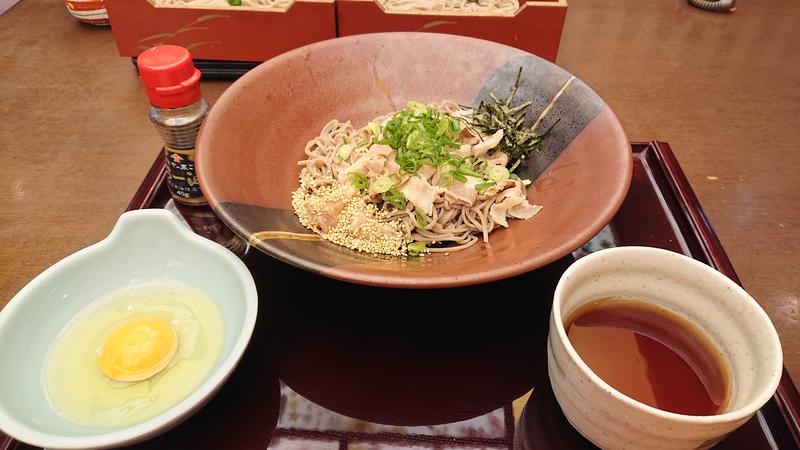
x=177, y=110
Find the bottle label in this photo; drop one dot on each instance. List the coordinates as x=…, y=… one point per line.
x=181, y=175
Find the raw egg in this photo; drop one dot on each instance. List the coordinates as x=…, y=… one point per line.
x=138, y=349
x=134, y=354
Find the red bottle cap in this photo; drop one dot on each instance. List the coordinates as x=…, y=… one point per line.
x=169, y=76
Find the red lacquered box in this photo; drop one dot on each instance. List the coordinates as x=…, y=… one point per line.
x=227, y=34
x=535, y=27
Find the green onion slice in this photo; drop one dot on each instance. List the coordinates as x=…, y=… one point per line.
x=359, y=180
x=458, y=176
x=374, y=128
x=422, y=218
x=466, y=169
x=498, y=173
x=487, y=185
x=415, y=248
x=344, y=152
x=445, y=179
x=395, y=198
x=382, y=184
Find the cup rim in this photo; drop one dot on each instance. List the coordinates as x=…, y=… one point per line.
x=767, y=390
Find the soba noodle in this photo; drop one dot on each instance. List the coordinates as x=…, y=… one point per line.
x=223, y=4
x=442, y=213
x=456, y=7
x=483, y=7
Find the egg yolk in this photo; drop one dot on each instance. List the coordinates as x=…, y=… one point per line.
x=138, y=349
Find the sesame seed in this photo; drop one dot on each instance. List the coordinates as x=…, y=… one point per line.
x=350, y=219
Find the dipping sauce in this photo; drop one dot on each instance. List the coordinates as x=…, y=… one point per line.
x=133, y=354
x=652, y=355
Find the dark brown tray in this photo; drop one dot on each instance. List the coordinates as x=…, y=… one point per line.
x=419, y=361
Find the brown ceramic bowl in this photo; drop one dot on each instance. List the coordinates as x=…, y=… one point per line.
x=250, y=143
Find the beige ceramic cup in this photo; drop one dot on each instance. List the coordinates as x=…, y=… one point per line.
x=718, y=306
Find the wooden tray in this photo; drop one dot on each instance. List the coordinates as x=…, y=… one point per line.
x=447, y=370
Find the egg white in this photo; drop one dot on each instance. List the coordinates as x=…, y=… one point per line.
x=80, y=391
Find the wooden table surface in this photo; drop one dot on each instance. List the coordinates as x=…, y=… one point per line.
x=722, y=89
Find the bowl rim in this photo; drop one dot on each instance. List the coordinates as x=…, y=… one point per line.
x=179, y=411
x=766, y=390
x=400, y=280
